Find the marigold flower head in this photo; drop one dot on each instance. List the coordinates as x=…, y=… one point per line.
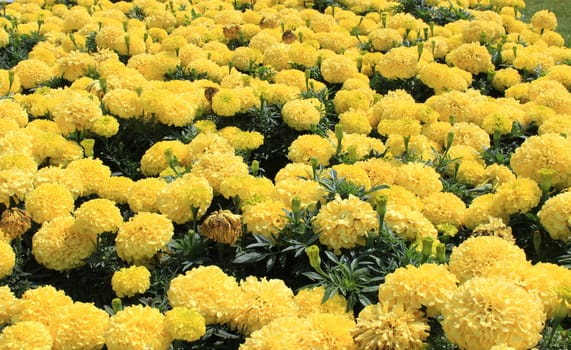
x=481, y=29
x=48, y=201
x=306, y=147
x=290, y=330
x=505, y=78
x=485, y=312
x=142, y=195
x=444, y=208
x=216, y=167
x=550, y=151
x=494, y=227
x=442, y=78
x=80, y=326
x=242, y=140
x=137, y=327
x=7, y=259
x=399, y=63
x=263, y=301
x=97, y=216
x=418, y=178
x=144, y=235
x=471, y=57
x=408, y=223
x=380, y=171
x=26, y=335
x=8, y=303
x=429, y=285
x=13, y=110
x=358, y=99
x=207, y=143
x=544, y=20
x=554, y=216
x=338, y=68
x=115, y=188
x=247, y=188
x=384, y=39
x=32, y=72
x=206, y=289
x=74, y=64
x=387, y=326
x=301, y=114
x=516, y=196
x=5, y=86
x=130, y=281
x=222, y=226
x=310, y=301
x=477, y=254
x=157, y=157
x=41, y=304
x=226, y=103
x=550, y=282
x=345, y=223
x=469, y=134
x=265, y=218
x=184, y=323
x=15, y=222
x=355, y=121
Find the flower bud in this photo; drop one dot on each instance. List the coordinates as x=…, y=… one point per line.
x=314, y=258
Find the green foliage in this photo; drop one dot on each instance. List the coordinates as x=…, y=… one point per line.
x=414, y=86
x=433, y=14
x=179, y=73
x=18, y=48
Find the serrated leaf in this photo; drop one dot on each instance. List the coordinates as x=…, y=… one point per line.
x=314, y=276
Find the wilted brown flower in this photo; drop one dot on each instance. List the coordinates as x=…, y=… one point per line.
x=222, y=226
x=231, y=31
x=15, y=222
x=288, y=37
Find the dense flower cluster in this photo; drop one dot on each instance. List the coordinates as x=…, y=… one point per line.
x=182, y=155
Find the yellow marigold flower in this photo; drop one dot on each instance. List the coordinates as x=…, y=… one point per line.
x=4, y=38
x=290, y=330
x=301, y=114
x=482, y=29
x=355, y=121
x=7, y=259
x=402, y=127
x=41, y=304
x=48, y=201
x=418, y=178
x=206, y=289
x=338, y=68
x=262, y=302
x=115, y=188
x=137, y=327
x=332, y=331
x=307, y=192
x=277, y=57
x=554, y=216
x=494, y=227
x=208, y=143
x=469, y=134
x=442, y=78
x=156, y=158
x=516, y=196
x=306, y=147
x=184, y=323
x=544, y=20
x=26, y=335
x=32, y=72
x=5, y=86
x=294, y=170
x=505, y=78
x=242, y=140
x=13, y=110
x=429, y=285
x=215, y=167
x=303, y=54
x=384, y=39
x=310, y=301
x=59, y=246
x=399, y=63
x=352, y=174
x=74, y=65
x=77, y=112
x=130, y=281
x=144, y=235
x=179, y=198
x=471, y=57
x=8, y=303
x=550, y=282
x=560, y=73
x=247, y=188
x=142, y=196
x=557, y=124
x=408, y=223
x=356, y=99
x=398, y=195
x=476, y=255
x=444, y=208
x=80, y=326
x=106, y=126
x=345, y=223
x=485, y=312
x=549, y=151
x=265, y=218
x=386, y=326
x=97, y=216
x=226, y=103
x=380, y=171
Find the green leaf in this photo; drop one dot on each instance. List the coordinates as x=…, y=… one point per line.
x=247, y=258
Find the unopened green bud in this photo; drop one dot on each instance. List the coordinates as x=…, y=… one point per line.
x=255, y=167
x=88, y=145
x=441, y=253
x=427, y=247
x=314, y=258
x=116, y=305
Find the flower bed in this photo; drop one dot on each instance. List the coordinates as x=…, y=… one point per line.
x=284, y=175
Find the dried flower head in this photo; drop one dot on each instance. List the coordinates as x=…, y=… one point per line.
x=222, y=226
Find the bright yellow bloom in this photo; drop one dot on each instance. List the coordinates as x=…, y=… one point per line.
x=130, y=281
x=26, y=335
x=185, y=324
